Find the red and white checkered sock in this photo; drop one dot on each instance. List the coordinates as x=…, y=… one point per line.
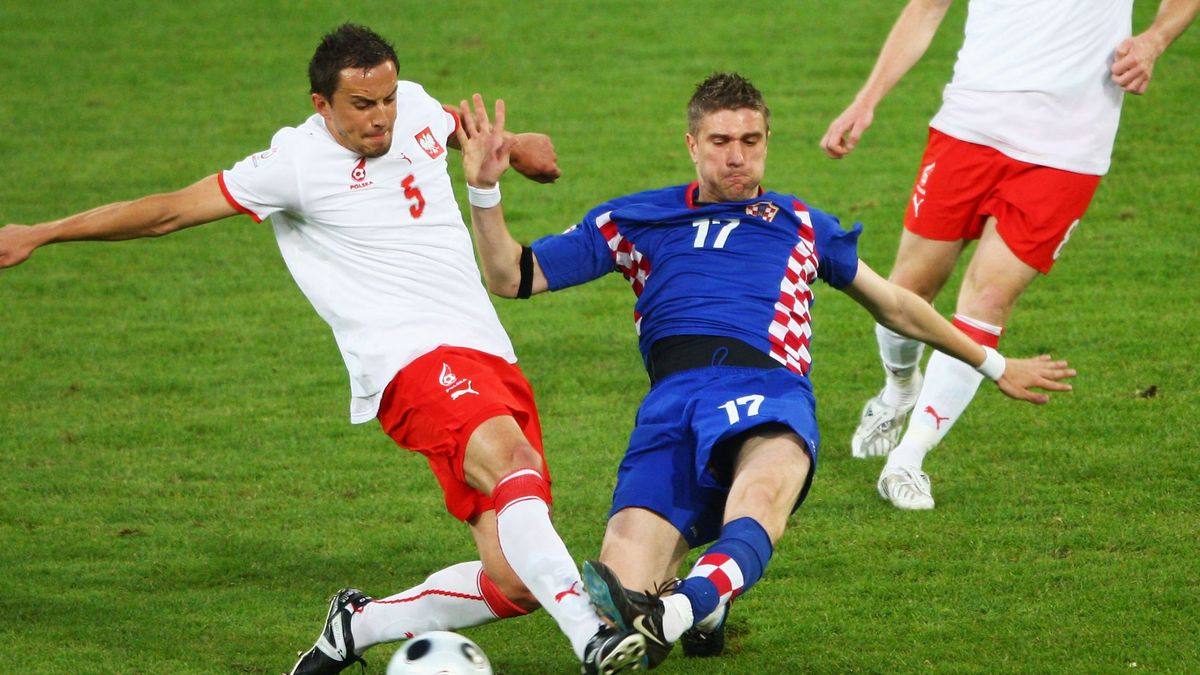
x=732, y=565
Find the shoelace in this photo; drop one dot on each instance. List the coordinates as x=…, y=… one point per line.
x=664, y=588
x=913, y=481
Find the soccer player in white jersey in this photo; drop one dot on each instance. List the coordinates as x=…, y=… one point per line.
x=1015, y=153
x=365, y=217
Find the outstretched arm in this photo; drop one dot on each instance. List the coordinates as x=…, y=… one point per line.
x=1133, y=62
x=151, y=216
x=905, y=312
x=907, y=42
x=486, y=156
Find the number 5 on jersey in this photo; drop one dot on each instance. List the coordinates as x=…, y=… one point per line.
x=413, y=193
x=751, y=403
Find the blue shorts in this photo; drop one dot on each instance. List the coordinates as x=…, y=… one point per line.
x=670, y=466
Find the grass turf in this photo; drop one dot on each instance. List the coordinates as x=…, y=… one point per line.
x=181, y=491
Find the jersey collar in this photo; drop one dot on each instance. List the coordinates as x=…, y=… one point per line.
x=691, y=195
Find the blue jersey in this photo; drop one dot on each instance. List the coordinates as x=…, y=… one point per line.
x=734, y=269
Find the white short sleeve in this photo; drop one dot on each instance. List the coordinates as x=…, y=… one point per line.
x=264, y=183
x=451, y=122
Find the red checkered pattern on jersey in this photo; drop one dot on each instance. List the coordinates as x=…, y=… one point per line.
x=633, y=266
x=791, y=331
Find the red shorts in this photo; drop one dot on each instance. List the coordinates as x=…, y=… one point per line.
x=434, y=404
x=960, y=184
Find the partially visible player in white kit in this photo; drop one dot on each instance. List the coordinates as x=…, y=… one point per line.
x=1015, y=153
x=365, y=217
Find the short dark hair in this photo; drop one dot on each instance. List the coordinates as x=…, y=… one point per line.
x=724, y=91
x=348, y=46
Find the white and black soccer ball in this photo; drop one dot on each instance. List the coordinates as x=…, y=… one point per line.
x=439, y=652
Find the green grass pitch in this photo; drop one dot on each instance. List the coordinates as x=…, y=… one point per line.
x=181, y=491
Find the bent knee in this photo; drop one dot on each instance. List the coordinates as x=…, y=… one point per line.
x=986, y=301
x=525, y=456
x=485, y=466
x=776, y=496
x=926, y=288
x=769, y=501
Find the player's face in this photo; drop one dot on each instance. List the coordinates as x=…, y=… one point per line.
x=363, y=110
x=730, y=154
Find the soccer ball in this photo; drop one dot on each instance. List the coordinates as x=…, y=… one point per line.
x=439, y=652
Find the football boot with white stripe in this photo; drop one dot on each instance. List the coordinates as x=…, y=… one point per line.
x=641, y=612
x=613, y=650
x=334, y=650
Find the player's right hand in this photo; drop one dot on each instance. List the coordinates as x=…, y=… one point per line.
x=843, y=133
x=16, y=244
x=484, y=145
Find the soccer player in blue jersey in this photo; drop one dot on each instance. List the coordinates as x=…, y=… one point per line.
x=726, y=439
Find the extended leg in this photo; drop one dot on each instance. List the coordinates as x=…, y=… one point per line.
x=458, y=596
x=768, y=475
x=500, y=461
x=994, y=280
x=922, y=266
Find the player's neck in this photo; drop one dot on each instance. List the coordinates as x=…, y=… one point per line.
x=700, y=197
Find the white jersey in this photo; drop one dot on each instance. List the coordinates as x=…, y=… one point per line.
x=1033, y=81
x=377, y=245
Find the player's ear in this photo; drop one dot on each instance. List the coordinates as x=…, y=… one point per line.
x=691, y=143
x=321, y=105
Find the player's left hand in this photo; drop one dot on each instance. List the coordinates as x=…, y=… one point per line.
x=533, y=157
x=485, y=147
x=1133, y=63
x=1023, y=375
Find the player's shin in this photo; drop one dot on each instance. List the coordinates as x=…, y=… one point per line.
x=901, y=357
x=949, y=387
x=734, y=563
x=538, y=555
x=449, y=599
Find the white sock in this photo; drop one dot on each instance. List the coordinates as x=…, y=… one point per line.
x=448, y=599
x=949, y=387
x=539, y=557
x=709, y=623
x=901, y=356
x=677, y=616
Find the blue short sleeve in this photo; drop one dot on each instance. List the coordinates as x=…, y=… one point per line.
x=837, y=250
x=576, y=256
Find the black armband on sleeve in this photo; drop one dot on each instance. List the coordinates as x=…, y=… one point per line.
x=525, y=285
